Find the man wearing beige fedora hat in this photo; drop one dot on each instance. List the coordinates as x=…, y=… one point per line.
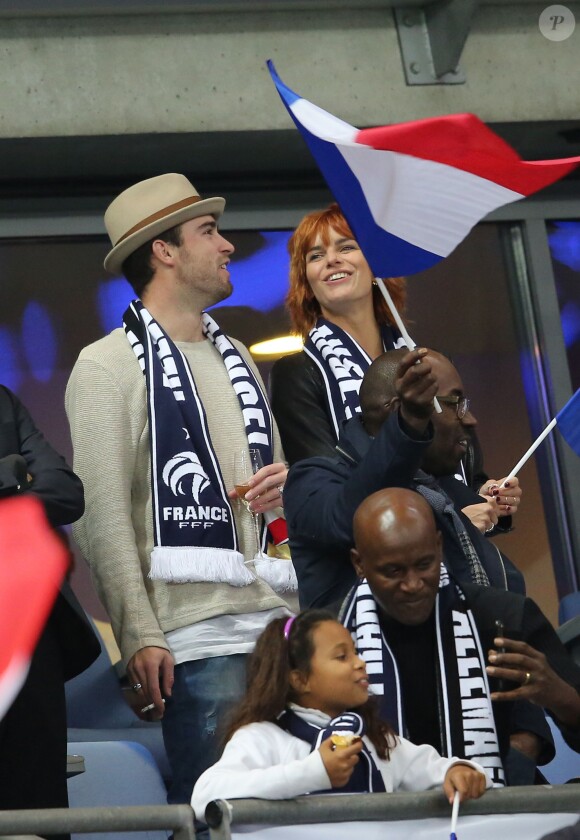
x=157, y=411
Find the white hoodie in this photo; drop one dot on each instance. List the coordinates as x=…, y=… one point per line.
x=262, y=761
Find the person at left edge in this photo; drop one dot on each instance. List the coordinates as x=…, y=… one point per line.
x=157, y=411
x=33, y=735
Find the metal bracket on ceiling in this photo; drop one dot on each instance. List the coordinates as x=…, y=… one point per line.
x=432, y=40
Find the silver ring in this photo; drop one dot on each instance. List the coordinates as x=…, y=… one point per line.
x=280, y=489
x=137, y=687
x=488, y=530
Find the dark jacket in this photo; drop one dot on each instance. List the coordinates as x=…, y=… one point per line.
x=29, y=464
x=33, y=734
x=322, y=495
x=523, y=621
x=52, y=480
x=300, y=406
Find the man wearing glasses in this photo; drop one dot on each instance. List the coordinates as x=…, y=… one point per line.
x=398, y=440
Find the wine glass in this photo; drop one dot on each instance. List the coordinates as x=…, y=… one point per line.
x=247, y=462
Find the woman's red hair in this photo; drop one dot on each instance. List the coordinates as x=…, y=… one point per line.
x=303, y=307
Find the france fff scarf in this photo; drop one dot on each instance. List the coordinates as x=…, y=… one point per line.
x=342, y=363
x=194, y=530
x=467, y=722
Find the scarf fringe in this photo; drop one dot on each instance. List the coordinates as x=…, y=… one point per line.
x=277, y=572
x=186, y=479
x=199, y=565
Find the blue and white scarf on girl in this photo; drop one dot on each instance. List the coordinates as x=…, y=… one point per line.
x=468, y=724
x=342, y=363
x=194, y=531
x=366, y=776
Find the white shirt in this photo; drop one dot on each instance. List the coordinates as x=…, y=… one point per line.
x=263, y=761
x=221, y=636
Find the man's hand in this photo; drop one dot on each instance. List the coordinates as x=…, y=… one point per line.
x=535, y=681
x=340, y=763
x=506, y=498
x=416, y=388
x=152, y=669
x=469, y=782
x=484, y=516
x=266, y=488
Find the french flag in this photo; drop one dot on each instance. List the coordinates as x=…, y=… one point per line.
x=412, y=192
x=32, y=564
x=568, y=420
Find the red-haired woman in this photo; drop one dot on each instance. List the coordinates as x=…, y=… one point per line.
x=336, y=306
x=338, y=309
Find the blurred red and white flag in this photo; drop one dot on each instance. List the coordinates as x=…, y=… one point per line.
x=32, y=565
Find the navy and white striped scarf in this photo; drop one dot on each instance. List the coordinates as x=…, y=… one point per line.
x=366, y=776
x=342, y=363
x=194, y=530
x=468, y=724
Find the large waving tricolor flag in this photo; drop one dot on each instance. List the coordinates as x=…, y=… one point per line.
x=412, y=192
x=32, y=564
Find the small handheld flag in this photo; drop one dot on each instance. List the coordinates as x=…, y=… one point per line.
x=32, y=564
x=568, y=422
x=412, y=192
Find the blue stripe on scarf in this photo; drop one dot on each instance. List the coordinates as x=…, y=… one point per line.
x=194, y=529
x=366, y=776
x=469, y=725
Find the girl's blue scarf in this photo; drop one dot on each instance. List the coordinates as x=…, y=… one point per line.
x=366, y=776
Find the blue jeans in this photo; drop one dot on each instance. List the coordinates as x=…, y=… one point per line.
x=204, y=691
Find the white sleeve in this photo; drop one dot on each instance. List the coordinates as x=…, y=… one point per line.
x=262, y=762
x=420, y=767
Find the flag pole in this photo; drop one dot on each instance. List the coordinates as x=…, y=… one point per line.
x=401, y=326
x=454, y=815
x=531, y=450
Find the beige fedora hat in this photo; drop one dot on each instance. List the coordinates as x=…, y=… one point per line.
x=150, y=207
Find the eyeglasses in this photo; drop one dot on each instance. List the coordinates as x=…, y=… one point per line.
x=461, y=404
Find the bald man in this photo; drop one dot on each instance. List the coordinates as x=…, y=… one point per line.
x=397, y=441
x=429, y=644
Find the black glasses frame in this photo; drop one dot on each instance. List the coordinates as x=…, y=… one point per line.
x=461, y=404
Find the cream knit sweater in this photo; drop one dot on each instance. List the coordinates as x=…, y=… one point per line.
x=107, y=412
